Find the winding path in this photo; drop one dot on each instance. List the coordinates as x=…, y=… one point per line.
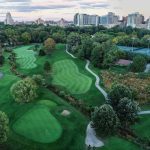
x=97, y=83
x=91, y=138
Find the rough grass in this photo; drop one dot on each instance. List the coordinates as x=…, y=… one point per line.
x=142, y=127
x=25, y=57
x=66, y=74
x=39, y=125
x=116, y=143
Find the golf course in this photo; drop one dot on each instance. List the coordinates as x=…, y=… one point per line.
x=40, y=123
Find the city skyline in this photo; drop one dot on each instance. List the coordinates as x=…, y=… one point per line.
x=54, y=10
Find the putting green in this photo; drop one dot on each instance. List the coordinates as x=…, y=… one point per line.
x=25, y=57
x=66, y=74
x=39, y=125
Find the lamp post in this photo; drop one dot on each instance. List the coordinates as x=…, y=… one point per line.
x=148, y=51
x=133, y=43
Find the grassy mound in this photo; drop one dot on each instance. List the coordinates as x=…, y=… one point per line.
x=66, y=74
x=39, y=125
x=25, y=57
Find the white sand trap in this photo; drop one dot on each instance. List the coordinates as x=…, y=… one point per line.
x=65, y=113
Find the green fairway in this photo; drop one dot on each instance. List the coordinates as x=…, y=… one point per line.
x=142, y=128
x=116, y=143
x=39, y=125
x=47, y=103
x=25, y=57
x=66, y=74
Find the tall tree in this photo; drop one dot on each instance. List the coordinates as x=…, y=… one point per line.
x=26, y=37
x=105, y=120
x=24, y=90
x=139, y=64
x=49, y=45
x=117, y=92
x=127, y=111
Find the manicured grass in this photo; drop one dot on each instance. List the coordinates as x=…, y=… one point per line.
x=25, y=57
x=48, y=106
x=92, y=97
x=66, y=74
x=48, y=103
x=39, y=125
x=116, y=143
x=142, y=128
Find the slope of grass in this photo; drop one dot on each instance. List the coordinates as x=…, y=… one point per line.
x=25, y=57
x=116, y=143
x=39, y=125
x=142, y=127
x=66, y=74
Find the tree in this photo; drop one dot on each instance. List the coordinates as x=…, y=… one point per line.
x=59, y=37
x=40, y=81
x=73, y=42
x=127, y=111
x=47, y=67
x=97, y=56
x=139, y=64
x=43, y=36
x=86, y=47
x=2, y=58
x=117, y=92
x=24, y=90
x=26, y=37
x=101, y=37
x=4, y=127
x=49, y=45
x=104, y=120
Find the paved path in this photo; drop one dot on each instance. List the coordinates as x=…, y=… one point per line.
x=91, y=138
x=144, y=112
x=97, y=83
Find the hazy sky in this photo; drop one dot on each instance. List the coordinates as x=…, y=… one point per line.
x=56, y=9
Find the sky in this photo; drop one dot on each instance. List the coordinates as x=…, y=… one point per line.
x=23, y=10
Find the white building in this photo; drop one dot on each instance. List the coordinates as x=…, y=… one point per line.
x=135, y=20
x=109, y=20
x=86, y=20
x=9, y=20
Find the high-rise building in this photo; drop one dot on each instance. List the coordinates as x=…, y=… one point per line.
x=9, y=20
x=109, y=19
x=135, y=19
x=86, y=20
